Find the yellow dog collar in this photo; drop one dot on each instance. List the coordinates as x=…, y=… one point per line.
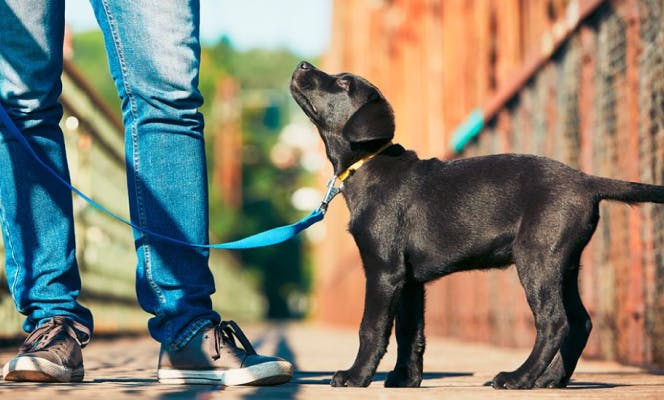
x=356, y=165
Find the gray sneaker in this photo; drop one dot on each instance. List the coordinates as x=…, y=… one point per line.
x=212, y=357
x=51, y=353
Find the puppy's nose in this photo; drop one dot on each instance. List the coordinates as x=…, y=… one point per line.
x=304, y=65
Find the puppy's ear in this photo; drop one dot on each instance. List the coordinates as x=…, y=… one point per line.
x=373, y=121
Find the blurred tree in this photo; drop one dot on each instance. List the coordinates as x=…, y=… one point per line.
x=264, y=76
x=90, y=57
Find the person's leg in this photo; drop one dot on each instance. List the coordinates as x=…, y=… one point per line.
x=154, y=57
x=36, y=211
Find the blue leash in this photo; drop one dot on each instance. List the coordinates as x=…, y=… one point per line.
x=267, y=238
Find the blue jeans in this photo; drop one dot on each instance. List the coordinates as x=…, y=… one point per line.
x=154, y=56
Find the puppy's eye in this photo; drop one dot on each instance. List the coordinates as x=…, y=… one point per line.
x=343, y=83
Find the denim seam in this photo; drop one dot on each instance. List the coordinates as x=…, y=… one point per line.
x=135, y=158
x=10, y=246
x=189, y=334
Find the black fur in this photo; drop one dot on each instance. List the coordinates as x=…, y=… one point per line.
x=417, y=220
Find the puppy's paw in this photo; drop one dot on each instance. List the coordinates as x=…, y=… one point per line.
x=346, y=378
x=402, y=377
x=339, y=379
x=551, y=381
x=554, y=377
x=510, y=380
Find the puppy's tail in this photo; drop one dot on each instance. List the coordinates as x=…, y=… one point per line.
x=628, y=192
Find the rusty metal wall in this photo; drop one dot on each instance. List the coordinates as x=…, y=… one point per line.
x=596, y=104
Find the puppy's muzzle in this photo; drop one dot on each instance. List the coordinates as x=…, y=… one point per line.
x=302, y=84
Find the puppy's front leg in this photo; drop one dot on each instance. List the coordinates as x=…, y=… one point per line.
x=380, y=303
x=410, y=338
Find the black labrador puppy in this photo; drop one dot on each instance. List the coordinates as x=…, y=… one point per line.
x=417, y=220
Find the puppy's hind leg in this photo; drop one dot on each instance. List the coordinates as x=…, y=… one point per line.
x=410, y=338
x=558, y=374
x=542, y=280
x=560, y=370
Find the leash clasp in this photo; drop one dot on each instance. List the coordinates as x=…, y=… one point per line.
x=329, y=194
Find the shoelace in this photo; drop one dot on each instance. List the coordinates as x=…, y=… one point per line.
x=45, y=334
x=227, y=331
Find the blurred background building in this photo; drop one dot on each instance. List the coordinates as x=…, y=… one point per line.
x=581, y=81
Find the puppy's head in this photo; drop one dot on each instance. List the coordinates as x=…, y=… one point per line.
x=351, y=114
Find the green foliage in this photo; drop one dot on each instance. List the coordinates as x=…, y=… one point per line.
x=255, y=68
x=90, y=57
x=264, y=78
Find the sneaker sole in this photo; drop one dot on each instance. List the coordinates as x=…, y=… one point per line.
x=264, y=374
x=33, y=369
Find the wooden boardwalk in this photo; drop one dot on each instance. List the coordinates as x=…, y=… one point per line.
x=125, y=368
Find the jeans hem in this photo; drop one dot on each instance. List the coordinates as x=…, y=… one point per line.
x=193, y=329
